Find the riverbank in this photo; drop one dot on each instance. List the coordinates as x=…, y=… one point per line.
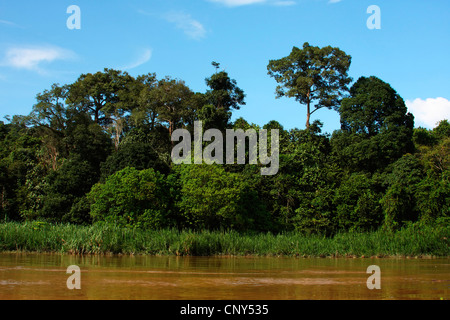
x=410, y=241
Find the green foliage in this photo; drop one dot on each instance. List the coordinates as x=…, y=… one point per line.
x=312, y=74
x=414, y=240
x=64, y=189
x=137, y=154
x=133, y=198
x=223, y=92
x=223, y=96
x=442, y=131
x=423, y=137
x=433, y=198
x=376, y=129
x=212, y=198
x=19, y=154
x=103, y=94
x=97, y=153
x=357, y=205
x=173, y=102
x=399, y=202
x=213, y=117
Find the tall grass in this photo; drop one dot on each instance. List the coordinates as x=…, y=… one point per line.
x=413, y=240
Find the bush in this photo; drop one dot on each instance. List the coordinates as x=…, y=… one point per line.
x=212, y=198
x=132, y=198
x=357, y=204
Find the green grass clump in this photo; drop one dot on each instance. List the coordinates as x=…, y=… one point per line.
x=412, y=240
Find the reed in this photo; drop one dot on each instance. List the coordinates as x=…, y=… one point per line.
x=412, y=240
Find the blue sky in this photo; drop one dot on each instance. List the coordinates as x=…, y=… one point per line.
x=181, y=38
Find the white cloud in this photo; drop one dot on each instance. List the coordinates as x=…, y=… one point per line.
x=31, y=58
x=191, y=27
x=143, y=58
x=429, y=112
x=334, y=1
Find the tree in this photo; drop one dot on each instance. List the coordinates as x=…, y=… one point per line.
x=376, y=128
x=137, y=153
x=357, y=204
x=312, y=74
x=65, y=187
x=50, y=111
x=107, y=97
x=212, y=198
x=146, y=111
x=433, y=192
x=374, y=107
x=133, y=198
x=223, y=92
x=300, y=195
x=173, y=101
x=19, y=158
x=50, y=116
x=399, y=201
x=442, y=130
x=220, y=99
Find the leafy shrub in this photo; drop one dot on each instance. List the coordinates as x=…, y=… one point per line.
x=132, y=198
x=212, y=198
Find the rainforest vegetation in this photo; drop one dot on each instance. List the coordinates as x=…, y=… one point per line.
x=97, y=152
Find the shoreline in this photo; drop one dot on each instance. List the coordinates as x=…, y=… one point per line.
x=226, y=256
x=411, y=242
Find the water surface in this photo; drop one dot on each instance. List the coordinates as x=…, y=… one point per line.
x=43, y=276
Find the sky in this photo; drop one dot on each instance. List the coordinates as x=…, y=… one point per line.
x=410, y=50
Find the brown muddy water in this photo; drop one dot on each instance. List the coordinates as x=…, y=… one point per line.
x=43, y=276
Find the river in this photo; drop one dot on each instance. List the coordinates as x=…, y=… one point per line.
x=44, y=276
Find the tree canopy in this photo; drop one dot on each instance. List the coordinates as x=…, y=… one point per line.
x=312, y=74
x=99, y=151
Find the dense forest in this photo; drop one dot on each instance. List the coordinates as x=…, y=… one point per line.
x=99, y=151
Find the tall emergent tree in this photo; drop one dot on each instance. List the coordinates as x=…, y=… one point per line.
x=107, y=96
x=220, y=99
x=172, y=98
x=312, y=74
x=376, y=127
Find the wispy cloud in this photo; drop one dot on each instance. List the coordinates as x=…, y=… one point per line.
x=32, y=58
x=237, y=3
x=143, y=58
x=283, y=3
x=184, y=21
x=334, y=1
x=429, y=112
x=10, y=24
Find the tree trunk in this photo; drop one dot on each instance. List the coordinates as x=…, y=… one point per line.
x=118, y=128
x=171, y=129
x=96, y=116
x=308, y=112
x=3, y=199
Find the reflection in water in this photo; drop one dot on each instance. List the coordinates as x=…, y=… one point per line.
x=41, y=276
